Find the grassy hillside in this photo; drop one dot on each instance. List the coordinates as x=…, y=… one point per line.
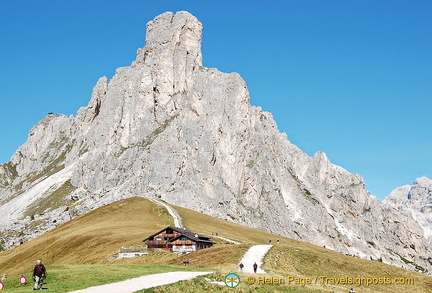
x=91, y=238
x=94, y=239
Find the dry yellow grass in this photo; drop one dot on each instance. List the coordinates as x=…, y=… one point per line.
x=195, y=221
x=91, y=238
x=312, y=262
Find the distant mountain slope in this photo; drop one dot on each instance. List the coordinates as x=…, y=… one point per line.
x=167, y=127
x=415, y=200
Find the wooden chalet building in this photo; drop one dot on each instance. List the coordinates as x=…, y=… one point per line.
x=177, y=240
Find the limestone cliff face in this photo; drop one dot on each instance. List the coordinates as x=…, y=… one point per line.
x=167, y=127
x=416, y=201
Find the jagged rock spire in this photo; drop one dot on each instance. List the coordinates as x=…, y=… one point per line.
x=168, y=127
x=174, y=32
x=173, y=43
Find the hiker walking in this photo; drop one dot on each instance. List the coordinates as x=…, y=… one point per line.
x=255, y=267
x=39, y=273
x=241, y=265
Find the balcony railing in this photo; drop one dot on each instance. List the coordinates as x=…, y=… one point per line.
x=158, y=244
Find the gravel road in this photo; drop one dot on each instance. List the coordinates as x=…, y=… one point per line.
x=255, y=254
x=144, y=282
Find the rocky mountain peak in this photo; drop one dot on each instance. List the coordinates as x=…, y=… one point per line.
x=173, y=42
x=425, y=183
x=171, y=32
x=416, y=201
x=89, y=113
x=420, y=191
x=167, y=127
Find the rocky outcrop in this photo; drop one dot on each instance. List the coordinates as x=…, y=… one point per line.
x=167, y=127
x=416, y=201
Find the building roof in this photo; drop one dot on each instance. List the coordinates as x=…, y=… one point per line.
x=183, y=232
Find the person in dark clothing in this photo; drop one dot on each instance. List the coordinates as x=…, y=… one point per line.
x=39, y=273
x=255, y=266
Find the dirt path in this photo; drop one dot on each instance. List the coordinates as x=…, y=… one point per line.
x=227, y=240
x=144, y=282
x=255, y=254
x=171, y=211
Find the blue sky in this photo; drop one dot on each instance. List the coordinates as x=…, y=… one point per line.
x=350, y=78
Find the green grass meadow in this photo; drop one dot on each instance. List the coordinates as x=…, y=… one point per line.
x=66, y=278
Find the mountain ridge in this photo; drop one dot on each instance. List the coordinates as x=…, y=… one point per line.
x=167, y=127
x=416, y=201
